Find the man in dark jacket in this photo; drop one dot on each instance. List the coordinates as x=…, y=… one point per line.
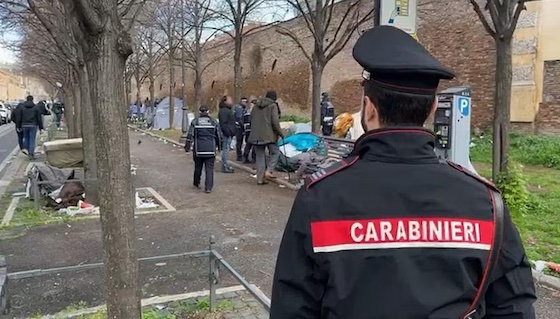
x=265, y=131
x=28, y=119
x=227, y=125
x=238, y=112
x=205, y=133
x=57, y=110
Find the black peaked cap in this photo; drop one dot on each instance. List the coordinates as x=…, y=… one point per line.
x=395, y=61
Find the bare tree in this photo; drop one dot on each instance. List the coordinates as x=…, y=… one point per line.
x=168, y=18
x=500, y=23
x=199, y=16
x=236, y=15
x=331, y=25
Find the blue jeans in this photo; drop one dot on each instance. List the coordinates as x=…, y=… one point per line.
x=57, y=118
x=226, y=145
x=29, y=137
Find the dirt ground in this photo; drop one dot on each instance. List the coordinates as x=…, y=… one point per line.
x=247, y=221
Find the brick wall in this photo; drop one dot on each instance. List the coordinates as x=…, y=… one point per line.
x=551, y=84
x=449, y=29
x=548, y=118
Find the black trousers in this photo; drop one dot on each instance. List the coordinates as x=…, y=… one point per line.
x=239, y=142
x=249, y=148
x=208, y=164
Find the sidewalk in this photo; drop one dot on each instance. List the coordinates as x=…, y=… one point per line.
x=246, y=221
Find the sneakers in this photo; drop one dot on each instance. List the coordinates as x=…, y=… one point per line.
x=227, y=170
x=24, y=151
x=208, y=191
x=196, y=186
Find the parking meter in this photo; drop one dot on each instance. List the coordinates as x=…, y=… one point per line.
x=452, y=126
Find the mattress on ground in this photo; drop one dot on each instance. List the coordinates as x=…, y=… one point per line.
x=64, y=153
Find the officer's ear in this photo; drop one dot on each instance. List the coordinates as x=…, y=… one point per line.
x=434, y=107
x=371, y=114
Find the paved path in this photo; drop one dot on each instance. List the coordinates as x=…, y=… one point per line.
x=247, y=221
x=8, y=140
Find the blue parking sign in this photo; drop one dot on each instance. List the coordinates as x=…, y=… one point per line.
x=464, y=105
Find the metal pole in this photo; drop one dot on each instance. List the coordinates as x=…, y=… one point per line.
x=212, y=276
x=376, y=13
x=185, y=120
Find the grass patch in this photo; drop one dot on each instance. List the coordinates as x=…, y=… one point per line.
x=25, y=215
x=185, y=309
x=538, y=219
x=294, y=118
x=172, y=134
x=525, y=149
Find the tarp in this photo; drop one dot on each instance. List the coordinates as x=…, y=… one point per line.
x=302, y=142
x=161, y=120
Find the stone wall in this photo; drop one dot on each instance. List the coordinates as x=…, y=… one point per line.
x=449, y=29
x=548, y=118
x=551, y=84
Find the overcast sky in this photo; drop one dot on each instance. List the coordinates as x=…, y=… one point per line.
x=266, y=14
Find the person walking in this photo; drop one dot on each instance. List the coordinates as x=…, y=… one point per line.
x=204, y=131
x=227, y=125
x=57, y=110
x=238, y=112
x=28, y=120
x=19, y=131
x=265, y=131
x=390, y=231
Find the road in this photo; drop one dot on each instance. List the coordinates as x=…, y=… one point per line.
x=8, y=141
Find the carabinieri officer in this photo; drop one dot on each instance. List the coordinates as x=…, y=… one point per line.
x=390, y=232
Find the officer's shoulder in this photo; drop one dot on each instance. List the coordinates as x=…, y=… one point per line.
x=472, y=175
x=325, y=173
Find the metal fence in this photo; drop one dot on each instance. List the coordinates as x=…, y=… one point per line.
x=215, y=260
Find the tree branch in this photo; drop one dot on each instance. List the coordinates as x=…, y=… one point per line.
x=286, y=32
x=482, y=18
x=518, y=10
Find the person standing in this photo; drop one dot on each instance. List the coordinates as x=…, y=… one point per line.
x=205, y=133
x=265, y=131
x=390, y=231
x=327, y=115
x=238, y=112
x=28, y=119
x=249, y=151
x=227, y=125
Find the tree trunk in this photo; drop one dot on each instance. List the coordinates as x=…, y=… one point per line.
x=76, y=112
x=137, y=79
x=197, y=89
x=106, y=73
x=128, y=89
x=171, y=82
x=151, y=77
x=88, y=138
x=316, y=76
x=69, y=114
x=502, y=104
x=238, y=77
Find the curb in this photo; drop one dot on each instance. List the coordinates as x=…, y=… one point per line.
x=546, y=280
x=540, y=278
x=232, y=163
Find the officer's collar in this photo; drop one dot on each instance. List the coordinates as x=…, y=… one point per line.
x=397, y=144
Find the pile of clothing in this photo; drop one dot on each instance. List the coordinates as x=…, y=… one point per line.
x=303, y=153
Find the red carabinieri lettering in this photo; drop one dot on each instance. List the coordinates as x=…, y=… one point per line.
x=395, y=233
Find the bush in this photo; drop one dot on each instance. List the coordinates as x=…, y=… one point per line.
x=514, y=190
x=524, y=149
x=293, y=118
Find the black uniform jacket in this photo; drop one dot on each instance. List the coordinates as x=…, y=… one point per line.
x=391, y=233
x=206, y=134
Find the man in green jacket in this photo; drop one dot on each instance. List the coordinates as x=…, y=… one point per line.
x=265, y=131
